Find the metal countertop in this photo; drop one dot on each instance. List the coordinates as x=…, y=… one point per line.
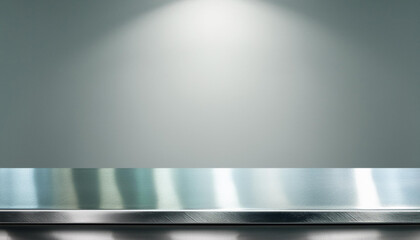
x=209, y=196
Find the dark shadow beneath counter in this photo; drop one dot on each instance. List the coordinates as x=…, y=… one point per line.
x=209, y=232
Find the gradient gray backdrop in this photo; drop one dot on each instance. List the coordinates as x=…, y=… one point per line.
x=209, y=83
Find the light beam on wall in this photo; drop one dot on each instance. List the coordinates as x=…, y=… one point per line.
x=215, y=80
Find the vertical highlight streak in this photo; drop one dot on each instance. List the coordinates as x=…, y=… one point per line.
x=64, y=195
x=365, y=188
x=108, y=193
x=18, y=188
x=272, y=193
x=226, y=195
x=167, y=196
x=5, y=188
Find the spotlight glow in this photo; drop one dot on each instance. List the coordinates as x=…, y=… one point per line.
x=213, y=21
x=366, y=189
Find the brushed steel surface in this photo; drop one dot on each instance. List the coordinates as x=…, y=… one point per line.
x=192, y=189
x=208, y=217
x=209, y=196
x=109, y=232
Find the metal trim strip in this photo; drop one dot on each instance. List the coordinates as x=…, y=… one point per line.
x=209, y=217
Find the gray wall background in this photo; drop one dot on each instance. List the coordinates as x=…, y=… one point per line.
x=209, y=83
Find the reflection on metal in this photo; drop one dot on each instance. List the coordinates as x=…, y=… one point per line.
x=18, y=189
x=208, y=217
x=225, y=192
x=366, y=188
x=94, y=232
x=181, y=189
x=165, y=189
x=210, y=195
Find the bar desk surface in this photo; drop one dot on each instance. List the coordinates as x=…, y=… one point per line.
x=209, y=196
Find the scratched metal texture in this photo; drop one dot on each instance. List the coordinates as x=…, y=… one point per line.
x=209, y=196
